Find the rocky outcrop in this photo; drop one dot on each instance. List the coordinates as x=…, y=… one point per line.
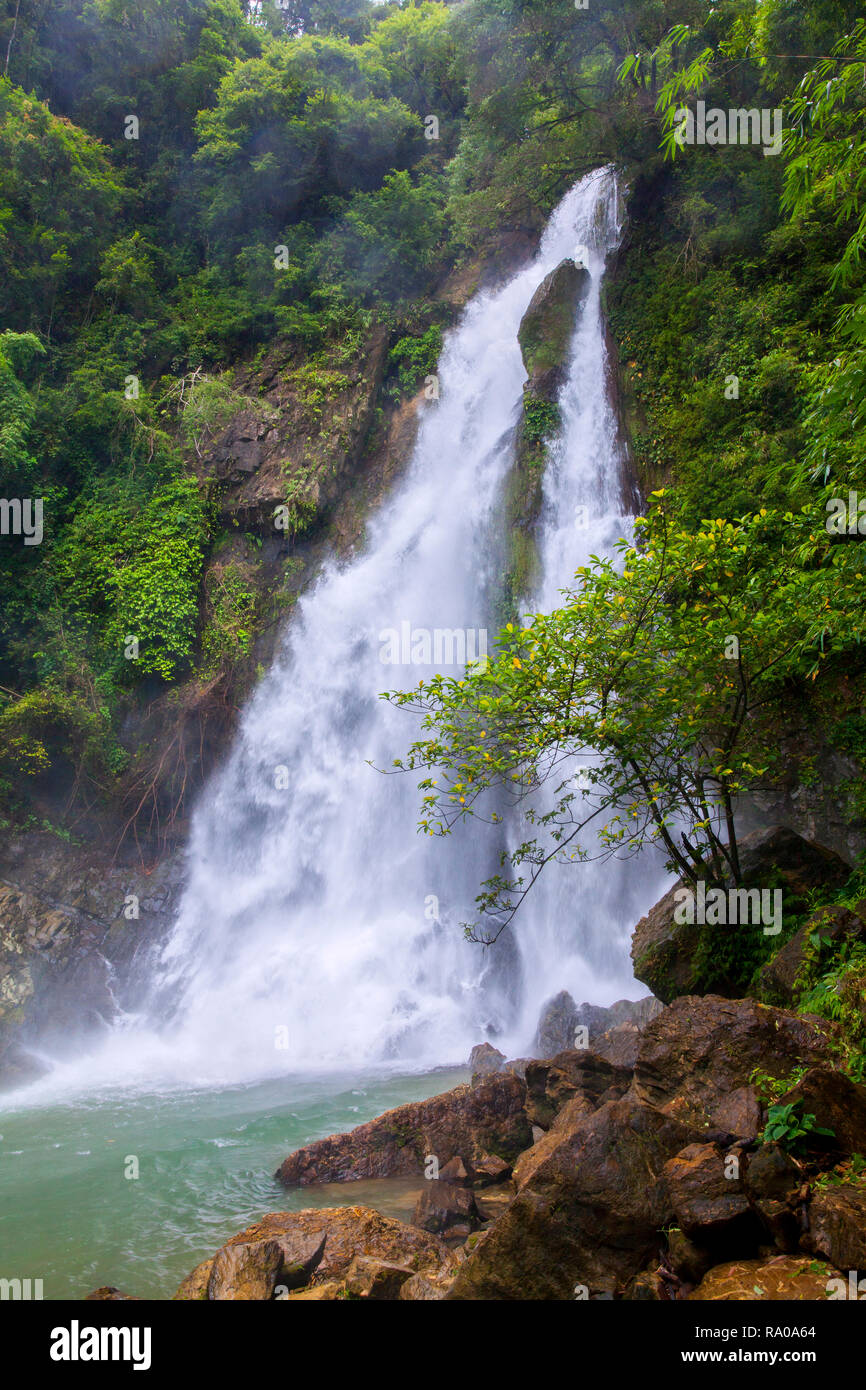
x=330, y=1248
x=485, y=1060
x=71, y=922
x=561, y=1018
x=703, y=1048
x=548, y=325
x=588, y=1214
x=545, y=335
x=838, y=1105
x=551, y=1084
x=675, y=958
x=470, y=1123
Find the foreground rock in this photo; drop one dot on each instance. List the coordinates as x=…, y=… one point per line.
x=675, y=959
x=288, y=1251
x=785, y=1277
x=469, y=1123
x=589, y=1213
x=446, y=1209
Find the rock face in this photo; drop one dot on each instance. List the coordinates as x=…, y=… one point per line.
x=286, y=1251
x=63, y=935
x=548, y=324
x=703, y=1048
x=676, y=958
x=469, y=1122
x=544, y=336
x=589, y=1213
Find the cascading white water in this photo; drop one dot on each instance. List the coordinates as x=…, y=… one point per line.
x=318, y=929
x=573, y=929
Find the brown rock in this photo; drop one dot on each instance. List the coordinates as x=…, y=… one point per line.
x=590, y=1212
x=443, y=1206
x=739, y=1113
x=551, y=1083
x=706, y=1203
x=250, y=1266
x=469, y=1121
x=489, y=1170
x=689, y=1261
x=837, y=1103
x=485, y=1060
x=778, y=978
x=784, y=1277
x=454, y=1170
x=287, y=1249
x=837, y=1226
x=619, y=1045
x=195, y=1285
x=376, y=1279
x=704, y=1047
x=110, y=1294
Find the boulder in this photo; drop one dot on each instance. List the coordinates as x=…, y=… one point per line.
x=286, y=1251
x=454, y=1170
x=778, y=978
x=589, y=1213
x=557, y=1025
x=837, y=1226
x=772, y=1173
x=376, y=1279
x=708, y=1204
x=471, y=1121
x=802, y=865
x=443, y=1206
x=784, y=1277
x=485, y=1060
x=109, y=1294
x=549, y=1084
x=489, y=1170
x=702, y=1048
x=619, y=1045
x=195, y=1285
x=837, y=1103
x=251, y=1265
x=676, y=959
x=547, y=326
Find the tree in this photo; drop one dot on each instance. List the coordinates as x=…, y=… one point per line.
x=640, y=711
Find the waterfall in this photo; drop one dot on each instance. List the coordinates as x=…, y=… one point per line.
x=318, y=929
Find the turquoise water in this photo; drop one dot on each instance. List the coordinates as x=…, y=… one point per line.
x=70, y=1217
